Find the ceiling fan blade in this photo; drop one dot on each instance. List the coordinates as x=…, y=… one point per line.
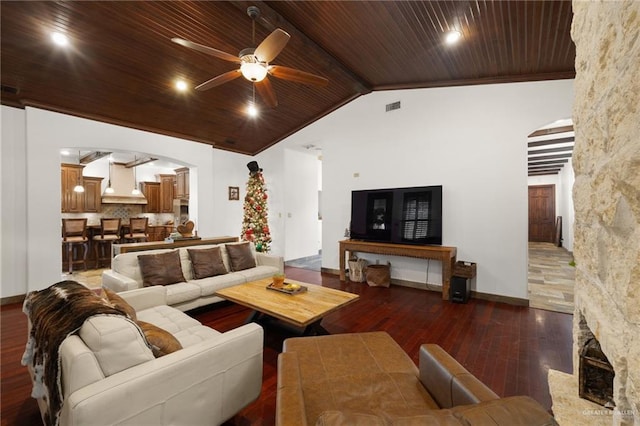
x=272, y=45
x=206, y=49
x=265, y=90
x=298, y=76
x=221, y=79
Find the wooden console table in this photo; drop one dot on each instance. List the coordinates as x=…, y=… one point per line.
x=152, y=245
x=447, y=255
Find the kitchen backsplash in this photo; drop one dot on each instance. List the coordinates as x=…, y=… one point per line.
x=124, y=212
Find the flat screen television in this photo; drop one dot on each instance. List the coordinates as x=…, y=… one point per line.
x=398, y=215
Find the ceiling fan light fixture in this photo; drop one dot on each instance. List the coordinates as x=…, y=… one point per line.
x=253, y=71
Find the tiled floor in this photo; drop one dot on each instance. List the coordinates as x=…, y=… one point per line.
x=313, y=263
x=551, y=278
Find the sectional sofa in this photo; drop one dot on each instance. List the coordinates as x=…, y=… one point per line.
x=115, y=366
x=196, y=274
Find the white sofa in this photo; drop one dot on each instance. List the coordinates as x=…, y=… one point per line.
x=125, y=275
x=110, y=376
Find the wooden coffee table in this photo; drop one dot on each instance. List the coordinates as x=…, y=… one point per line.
x=302, y=310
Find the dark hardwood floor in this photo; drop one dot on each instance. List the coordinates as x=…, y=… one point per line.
x=509, y=348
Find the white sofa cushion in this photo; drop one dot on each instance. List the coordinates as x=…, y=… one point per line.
x=167, y=318
x=258, y=273
x=116, y=342
x=187, y=330
x=210, y=285
x=182, y=292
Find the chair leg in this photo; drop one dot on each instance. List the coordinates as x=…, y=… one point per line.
x=70, y=257
x=85, y=250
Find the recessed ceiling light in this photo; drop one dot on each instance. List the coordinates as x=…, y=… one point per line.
x=181, y=85
x=60, y=39
x=252, y=110
x=65, y=152
x=453, y=36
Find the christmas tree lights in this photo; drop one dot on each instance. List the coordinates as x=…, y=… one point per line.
x=255, y=225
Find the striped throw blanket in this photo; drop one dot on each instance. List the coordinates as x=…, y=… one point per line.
x=55, y=313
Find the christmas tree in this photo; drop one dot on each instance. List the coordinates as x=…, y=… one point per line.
x=255, y=225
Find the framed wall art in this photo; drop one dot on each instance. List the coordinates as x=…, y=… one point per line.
x=234, y=193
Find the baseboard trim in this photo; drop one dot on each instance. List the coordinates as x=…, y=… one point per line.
x=438, y=288
x=12, y=299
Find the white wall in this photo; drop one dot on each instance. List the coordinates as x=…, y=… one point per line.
x=13, y=203
x=568, y=217
x=472, y=140
x=35, y=154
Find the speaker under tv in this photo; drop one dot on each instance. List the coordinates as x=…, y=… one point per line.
x=398, y=215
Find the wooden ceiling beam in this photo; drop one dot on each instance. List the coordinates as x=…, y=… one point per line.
x=551, y=150
x=270, y=19
x=544, y=166
x=93, y=156
x=552, y=131
x=549, y=157
x=546, y=172
x=551, y=141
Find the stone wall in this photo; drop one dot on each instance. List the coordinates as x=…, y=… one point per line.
x=607, y=190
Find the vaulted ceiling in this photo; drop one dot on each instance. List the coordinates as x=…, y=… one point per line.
x=121, y=65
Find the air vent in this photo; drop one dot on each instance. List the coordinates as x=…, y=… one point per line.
x=392, y=106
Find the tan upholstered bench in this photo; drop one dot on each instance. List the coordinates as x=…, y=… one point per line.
x=366, y=378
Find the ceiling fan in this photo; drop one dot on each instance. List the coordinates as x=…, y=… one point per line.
x=255, y=63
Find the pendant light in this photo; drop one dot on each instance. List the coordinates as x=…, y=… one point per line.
x=79, y=187
x=109, y=189
x=135, y=190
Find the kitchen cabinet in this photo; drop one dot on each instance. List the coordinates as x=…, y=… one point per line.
x=182, y=183
x=71, y=175
x=92, y=194
x=151, y=191
x=159, y=232
x=166, y=193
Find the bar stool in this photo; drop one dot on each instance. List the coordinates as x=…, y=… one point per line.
x=109, y=234
x=74, y=234
x=137, y=230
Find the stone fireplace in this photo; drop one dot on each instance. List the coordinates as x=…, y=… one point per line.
x=606, y=197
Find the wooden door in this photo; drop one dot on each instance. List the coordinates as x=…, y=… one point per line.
x=542, y=213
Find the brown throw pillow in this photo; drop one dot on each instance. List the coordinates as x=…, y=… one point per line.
x=161, y=269
x=207, y=262
x=118, y=302
x=240, y=256
x=162, y=342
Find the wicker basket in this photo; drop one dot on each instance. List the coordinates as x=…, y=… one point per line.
x=356, y=269
x=379, y=275
x=464, y=269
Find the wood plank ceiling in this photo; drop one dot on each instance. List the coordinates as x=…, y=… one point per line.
x=121, y=65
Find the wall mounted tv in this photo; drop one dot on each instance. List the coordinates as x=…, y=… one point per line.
x=398, y=215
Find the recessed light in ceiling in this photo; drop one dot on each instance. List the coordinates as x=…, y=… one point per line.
x=181, y=85
x=453, y=36
x=252, y=110
x=60, y=39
